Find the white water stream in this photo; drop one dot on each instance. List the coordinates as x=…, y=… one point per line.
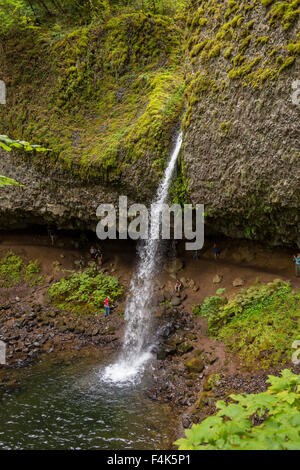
x=135, y=352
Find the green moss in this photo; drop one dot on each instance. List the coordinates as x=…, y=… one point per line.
x=293, y=48
x=197, y=48
x=287, y=62
x=262, y=40
x=211, y=381
x=106, y=88
x=285, y=12
x=179, y=189
x=233, y=35
x=238, y=59
x=224, y=128
x=266, y=3
x=244, y=69
x=232, y=7
x=31, y=270
x=215, y=50
x=228, y=52
x=245, y=43
x=257, y=78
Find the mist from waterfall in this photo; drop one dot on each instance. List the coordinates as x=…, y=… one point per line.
x=136, y=350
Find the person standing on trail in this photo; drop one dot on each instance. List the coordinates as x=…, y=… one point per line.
x=297, y=265
x=52, y=236
x=178, y=286
x=99, y=257
x=216, y=251
x=93, y=253
x=106, y=307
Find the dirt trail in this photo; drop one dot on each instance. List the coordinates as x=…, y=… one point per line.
x=243, y=260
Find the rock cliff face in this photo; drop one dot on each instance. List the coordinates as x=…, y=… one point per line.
x=49, y=195
x=107, y=101
x=241, y=151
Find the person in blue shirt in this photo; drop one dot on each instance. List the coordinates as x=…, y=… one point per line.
x=297, y=265
x=216, y=251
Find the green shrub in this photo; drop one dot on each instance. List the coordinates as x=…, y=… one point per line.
x=234, y=426
x=11, y=267
x=259, y=324
x=14, y=270
x=84, y=292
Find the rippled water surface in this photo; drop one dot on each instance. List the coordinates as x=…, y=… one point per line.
x=69, y=407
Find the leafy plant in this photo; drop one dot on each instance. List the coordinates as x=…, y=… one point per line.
x=8, y=144
x=84, y=292
x=221, y=291
x=211, y=305
x=11, y=267
x=13, y=270
x=5, y=181
x=264, y=421
x=259, y=324
x=31, y=270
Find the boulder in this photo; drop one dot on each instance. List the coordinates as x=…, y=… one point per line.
x=238, y=282
x=173, y=266
x=176, y=301
x=195, y=365
x=185, y=347
x=217, y=279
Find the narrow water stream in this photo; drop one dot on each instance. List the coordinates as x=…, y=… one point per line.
x=136, y=351
x=69, y=407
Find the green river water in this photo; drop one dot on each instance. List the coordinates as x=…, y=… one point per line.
x=70, y=407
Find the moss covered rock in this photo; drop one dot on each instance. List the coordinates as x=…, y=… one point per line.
x=105, y=98
x=241, y=146
x=195, y=365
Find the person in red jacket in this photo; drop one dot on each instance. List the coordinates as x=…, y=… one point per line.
x=106, y=307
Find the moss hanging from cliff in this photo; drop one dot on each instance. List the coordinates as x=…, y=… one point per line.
x=101, y=96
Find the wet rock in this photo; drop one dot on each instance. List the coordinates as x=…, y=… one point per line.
x=203, y=400
x=161, y=354
x=166, y=330
x=158, y=299
x=210, y=382
x=176, y=301
x=184, y=348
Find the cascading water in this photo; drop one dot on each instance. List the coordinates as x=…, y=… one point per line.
x=135, y=353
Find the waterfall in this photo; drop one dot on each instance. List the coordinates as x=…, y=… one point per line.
x=135, y=352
